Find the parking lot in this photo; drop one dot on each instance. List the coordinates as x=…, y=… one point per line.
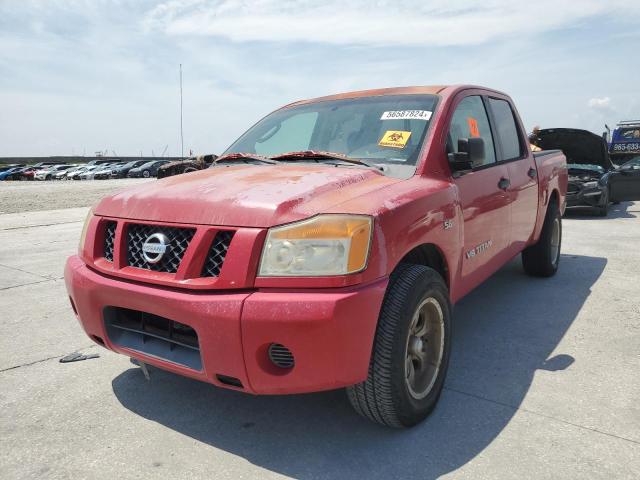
x=543, y=380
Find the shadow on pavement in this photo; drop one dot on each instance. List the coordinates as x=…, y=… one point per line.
x=620, y=210
x=503, y=332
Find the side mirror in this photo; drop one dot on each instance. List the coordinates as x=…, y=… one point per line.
x=470, y=154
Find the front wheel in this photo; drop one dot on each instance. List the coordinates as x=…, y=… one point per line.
x=411, y=350
x=146, y=174
x=542, y=259
x=603, y=210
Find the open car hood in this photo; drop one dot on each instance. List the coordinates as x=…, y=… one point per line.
x=579, y=146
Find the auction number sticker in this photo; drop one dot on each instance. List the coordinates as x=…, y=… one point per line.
x=394, y=139
x=407, y=115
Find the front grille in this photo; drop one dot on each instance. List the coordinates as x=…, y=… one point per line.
x=109, y=240
x=573, y=188
x=153, y=335
x=179, y=239
x=217, y=253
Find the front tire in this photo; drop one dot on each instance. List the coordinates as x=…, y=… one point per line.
x=542, y=259
x=410, y=352
x=146, y=174
x=603, y=210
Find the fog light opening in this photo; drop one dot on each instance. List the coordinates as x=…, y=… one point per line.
x=227, y=380
x=281, y=356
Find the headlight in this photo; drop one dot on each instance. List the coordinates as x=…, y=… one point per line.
x=85, y=227
x=323, y=245
x=590, y=185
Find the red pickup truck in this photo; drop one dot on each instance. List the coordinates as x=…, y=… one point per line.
x=325, y=247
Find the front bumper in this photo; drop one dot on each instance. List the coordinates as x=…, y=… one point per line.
x=590, y=197
x=329, y=331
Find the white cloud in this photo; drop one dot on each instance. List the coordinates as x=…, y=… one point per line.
x=99, y=74
x=603, y=103
x=366, y=22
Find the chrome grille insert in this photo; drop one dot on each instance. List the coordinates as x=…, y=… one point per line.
x=179, y=239
x=217, y=253
x=109, y=239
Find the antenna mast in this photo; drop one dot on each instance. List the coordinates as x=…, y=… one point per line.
x=181, y=134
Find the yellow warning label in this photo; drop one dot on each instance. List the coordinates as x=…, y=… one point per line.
x=394, y=139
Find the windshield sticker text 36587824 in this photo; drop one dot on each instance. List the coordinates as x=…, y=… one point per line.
x=406, y=115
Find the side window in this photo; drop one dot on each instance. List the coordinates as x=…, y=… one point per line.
x=470, y=120
x=506, y=129
x=292, y=135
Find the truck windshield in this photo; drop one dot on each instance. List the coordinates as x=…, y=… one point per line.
x=382, y=130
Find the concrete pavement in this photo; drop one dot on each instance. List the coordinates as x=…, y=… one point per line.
x=543, y=382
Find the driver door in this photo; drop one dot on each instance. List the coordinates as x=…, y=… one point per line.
x=624, y=184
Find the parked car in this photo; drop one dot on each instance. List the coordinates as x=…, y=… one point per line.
x=624, y=181
x=67, y=174
x=15, y=172
x=23, y=174
x=89, y=171
x=105, y=171
x=188, y=165
x=146, y=170
x=4, y=168
x=49, y=173
x=593, y=179
x=76, y=175
x=7, y=173
x=123, y=170
x=322, y=252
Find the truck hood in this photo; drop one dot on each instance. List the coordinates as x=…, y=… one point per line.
x=244, y=195
x=579, y=146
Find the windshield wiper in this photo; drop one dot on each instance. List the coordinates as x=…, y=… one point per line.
x=243, y=157
x=318, y=156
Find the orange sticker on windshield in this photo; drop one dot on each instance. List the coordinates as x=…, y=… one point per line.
x=394, y=139
x=474, y=131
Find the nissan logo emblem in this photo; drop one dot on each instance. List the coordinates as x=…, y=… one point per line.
x=154, y=247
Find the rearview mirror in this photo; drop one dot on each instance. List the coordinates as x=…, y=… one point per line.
x=470, y=154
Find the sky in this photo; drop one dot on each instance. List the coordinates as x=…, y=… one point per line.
x=77, y=77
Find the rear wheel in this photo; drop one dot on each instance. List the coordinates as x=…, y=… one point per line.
x=411, y=350
x=542, y=259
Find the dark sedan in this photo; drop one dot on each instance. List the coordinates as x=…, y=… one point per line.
x=593, y=180
x=149, y=169
x=123, y=170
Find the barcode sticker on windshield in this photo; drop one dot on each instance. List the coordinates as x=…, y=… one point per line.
x=406, y=115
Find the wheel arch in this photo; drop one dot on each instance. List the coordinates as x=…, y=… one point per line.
x=429, y=255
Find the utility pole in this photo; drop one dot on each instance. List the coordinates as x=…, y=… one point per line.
x=181, y=134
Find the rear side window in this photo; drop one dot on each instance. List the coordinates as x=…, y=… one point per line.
x=506, y=129
x=470, y=120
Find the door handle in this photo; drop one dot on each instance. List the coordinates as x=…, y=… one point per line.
x=533, y=173
x=504, y=183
